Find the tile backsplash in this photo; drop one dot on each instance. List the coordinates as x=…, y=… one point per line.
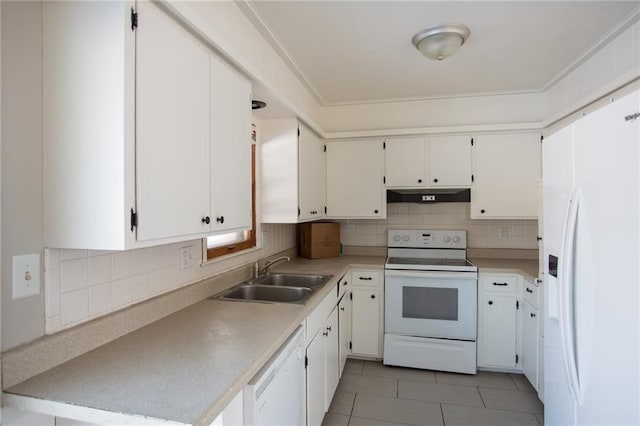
x=482, y=233
x=81, y=285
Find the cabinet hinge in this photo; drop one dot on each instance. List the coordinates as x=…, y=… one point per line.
x=384, y=145
x=306, y=361
x=471, y=141
x=298, y=131
x=350, y=345
x=472, y=178
x=325, y=209
x=298, y=211
x=384, y=179
x=134, y=19
x=325, y=147
x=517, y=304
x=134, y=219
x=517, y=358
x=350, y=296
x=541, y=138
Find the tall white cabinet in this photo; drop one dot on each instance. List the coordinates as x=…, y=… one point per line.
x=292, y=159
x=355, y=179
x=142, y=126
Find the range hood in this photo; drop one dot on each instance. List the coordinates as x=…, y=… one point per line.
x=456, y=195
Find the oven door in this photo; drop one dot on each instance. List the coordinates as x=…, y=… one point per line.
x=431, y=304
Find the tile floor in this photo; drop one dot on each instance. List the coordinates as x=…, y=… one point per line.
x=371, y=394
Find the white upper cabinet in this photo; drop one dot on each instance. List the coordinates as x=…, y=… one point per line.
x=292, y=170
x=135, y=140
x=506, y=174
x=231, y=201
x=172, y=128
x=355, y=187
x=405, y=162
x=421, y=162
x=450, y=161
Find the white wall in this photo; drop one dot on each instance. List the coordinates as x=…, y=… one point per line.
x=521, y=234
x=22, y=217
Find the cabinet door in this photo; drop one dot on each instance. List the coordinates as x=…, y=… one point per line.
x=366, y=321
x=405, y=162
x=498, y=325
x=506, y=173
x=172, y=128
x=332, y=357
x=355, y=186
x=316, y=403
x=230, y=148
x=344, y=324
x=530, y=333
x=450, y=161
x=311, y=175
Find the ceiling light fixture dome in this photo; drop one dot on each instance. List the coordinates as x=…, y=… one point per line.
x=442, y=41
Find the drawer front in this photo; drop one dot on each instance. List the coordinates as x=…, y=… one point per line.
x=531, y=293
x=499, y=283
x=366, y=277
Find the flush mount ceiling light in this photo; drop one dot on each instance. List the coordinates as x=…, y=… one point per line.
x=441, y=41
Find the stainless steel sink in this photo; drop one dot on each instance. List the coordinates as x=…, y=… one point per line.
x=292, y=280
x=268, y=293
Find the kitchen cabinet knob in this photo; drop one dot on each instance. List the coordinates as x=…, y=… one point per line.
x=375, y=211
x=220, y=219
x=373, y=296
x=532, y=315
x=345, y=283
x=206, y=220
x=490, y=302
x=529, y=290
x=436, y=180
x=419, y=180
x=482, y=211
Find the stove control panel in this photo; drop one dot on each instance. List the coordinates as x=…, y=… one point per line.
x=420, y=238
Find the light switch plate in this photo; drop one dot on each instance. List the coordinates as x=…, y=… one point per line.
x=25, y=271
x=186, y=257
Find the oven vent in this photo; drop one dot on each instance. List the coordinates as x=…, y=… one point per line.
x=457, y=195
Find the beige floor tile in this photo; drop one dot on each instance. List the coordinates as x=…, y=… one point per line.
x=440, y=392
x=332, y=419
x=459, y=415
x=522, y=383
x=482, y=378
x=372, y=368
x=353, y=366
x=342, y=403
x=356, y=421
x=527, y=402
x=540, y=418
x=369, y=385
x=397, y=410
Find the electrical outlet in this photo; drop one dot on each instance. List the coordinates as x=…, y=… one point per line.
x=25, y=271
x=503, y=233
x=186, y=257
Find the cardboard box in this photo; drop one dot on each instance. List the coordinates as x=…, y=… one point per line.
x=317, y=240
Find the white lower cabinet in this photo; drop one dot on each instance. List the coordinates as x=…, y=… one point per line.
x=498, y=321
x=531, y=334
x=344, y=325
x=367, y=312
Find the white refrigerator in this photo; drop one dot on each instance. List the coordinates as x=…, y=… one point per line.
x=592, y=268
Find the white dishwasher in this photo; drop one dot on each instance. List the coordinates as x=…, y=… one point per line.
x=276, y=394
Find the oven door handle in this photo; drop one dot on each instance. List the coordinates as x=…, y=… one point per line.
x=431, y=274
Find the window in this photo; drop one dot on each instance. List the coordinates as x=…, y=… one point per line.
x=233, y=242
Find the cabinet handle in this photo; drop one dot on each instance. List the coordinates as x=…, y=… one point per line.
x=206, y=220
x=436, y=180
x=375, y=211
x=532, y=315
x=344, y=283
x=342, y=309
x=482, y=211
x=373, y=296
x=328, y=329
x=220, y=219
x=501, y=284
x=529, y=290
x=419, y=180
x=538, y=280
x=490, y=302
x=325, y=334
x=365, y=278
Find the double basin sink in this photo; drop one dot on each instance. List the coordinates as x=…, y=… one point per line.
x=277, y=288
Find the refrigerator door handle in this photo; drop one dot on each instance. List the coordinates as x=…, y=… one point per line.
x=567, y=297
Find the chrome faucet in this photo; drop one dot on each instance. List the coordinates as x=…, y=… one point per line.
x=269, y=263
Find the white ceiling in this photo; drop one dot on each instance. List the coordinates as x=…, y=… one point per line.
x=360, y=51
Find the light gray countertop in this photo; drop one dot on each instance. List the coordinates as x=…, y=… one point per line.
x=186, y=367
